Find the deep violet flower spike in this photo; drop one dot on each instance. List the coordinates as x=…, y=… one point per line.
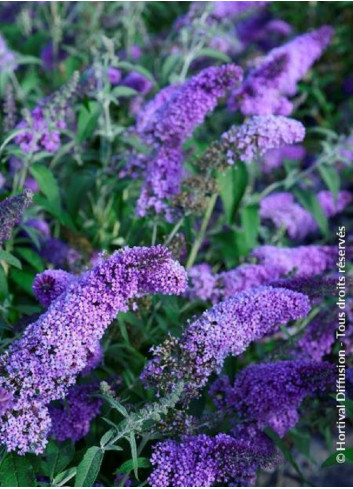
x=207, y=461
x=48, y=285
x=269, y=394
x=226, y=329
x=11, y=211
x=268, y=86
x=171, y=119
x=71, y=419
x=258, y=135
x=45, y=362
x=187, y=107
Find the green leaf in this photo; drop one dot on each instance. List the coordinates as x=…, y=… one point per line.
x=310, y=202
x=47, y=183
x=107, y=437
x=77, y=190
x=65, y=476
x=87, y=120
x=169, y=65
x=126, y=467
x=3, y=283
x=232, y=184
x=23, y=279
x=123, y=91
x=6, y=257
x=115, y=404
x=58, y=457
x=31, y=257
x=331, y=177
x=213, y=53
x=16, y=471
x=132, y=441
x=250, y=220
x=332, y=460
x=88, y=469
x=286, y=452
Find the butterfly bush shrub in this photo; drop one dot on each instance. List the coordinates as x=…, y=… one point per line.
x=175, y=182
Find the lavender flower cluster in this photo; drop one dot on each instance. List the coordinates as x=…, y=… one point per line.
x=270, y=394
x=284, y=212
x=269, y=85
x=44, y=363
x=226, y=329
x=169, y=120
x=205, y=461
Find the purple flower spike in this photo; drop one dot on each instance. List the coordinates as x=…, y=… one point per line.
x=226, y=329
x=207, y=461
x=304, y=261
x=168, y=121
x=260, y=134
x=268, y=86
x=11, y=211
x=53, y=351
x=270, y=394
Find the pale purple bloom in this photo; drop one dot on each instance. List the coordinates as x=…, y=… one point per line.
x=53, y=351
x=71, y=419
x=48, y=285
x=8, y=60
x=304, y=261
x=226, y=329
x=216, y=287
x=2, y=181
x=270, y=394
x=274, y=158
x=226, y=10
x=268, y=86
x=114, y=75
x=202, y=282
x=332, y=205
x=258, y=135
x=284, y=212
x=40, y=225
x=11, y=211
x=41, y=132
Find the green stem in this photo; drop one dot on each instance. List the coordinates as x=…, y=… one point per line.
x=200, y=237
x=174, y=231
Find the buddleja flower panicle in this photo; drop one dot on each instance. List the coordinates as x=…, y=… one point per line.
x=53, y=351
